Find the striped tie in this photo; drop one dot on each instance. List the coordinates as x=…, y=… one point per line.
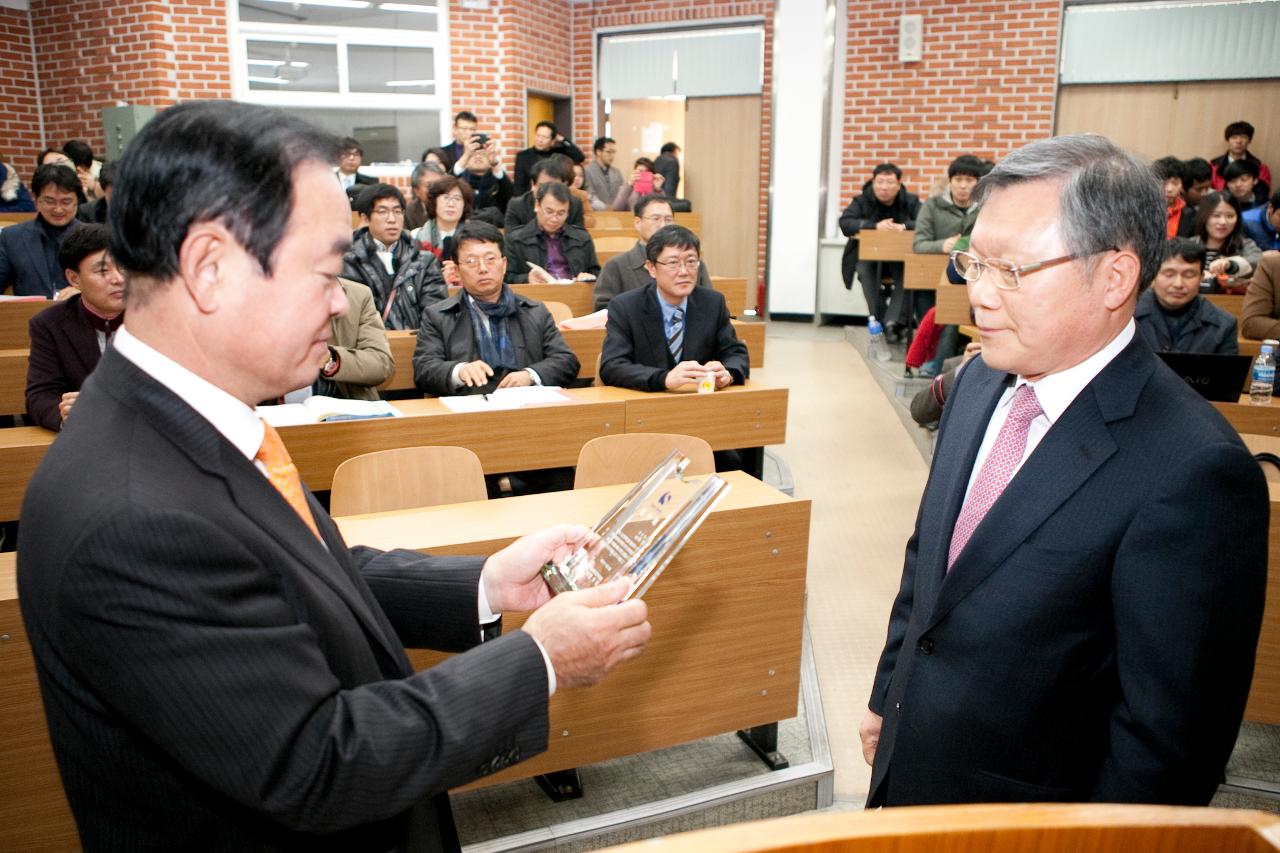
x=675, y=334
x=283, y=474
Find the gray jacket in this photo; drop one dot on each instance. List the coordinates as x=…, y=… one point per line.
x=939, y=218
x=1208, y=329
x=626, y=272
x=603, y=184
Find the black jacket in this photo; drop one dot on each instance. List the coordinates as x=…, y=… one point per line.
x=64, y=351
x=864, y=212
x=529, y=156
x=417, y=283
x=1207, y=329
x=520, y=212
x=490, y=192
x=529, y=243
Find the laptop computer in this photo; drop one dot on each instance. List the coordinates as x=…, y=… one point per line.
x=1218, y=378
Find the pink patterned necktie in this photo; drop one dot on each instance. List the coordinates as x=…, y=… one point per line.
x=997, y=470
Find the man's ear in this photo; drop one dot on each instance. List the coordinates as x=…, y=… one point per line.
x=1121, y=272
x=651, y=269
x=203, y=259
x=73, y=278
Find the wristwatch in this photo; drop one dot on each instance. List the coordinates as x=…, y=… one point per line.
x=332, y=365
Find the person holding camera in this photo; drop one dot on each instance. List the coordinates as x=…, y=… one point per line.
x=644, y=181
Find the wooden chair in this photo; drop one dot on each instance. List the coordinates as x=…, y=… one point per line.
x=559, y=311
x=614, y=243
x=626, y=457
x=406, y=477
x=1086, y=828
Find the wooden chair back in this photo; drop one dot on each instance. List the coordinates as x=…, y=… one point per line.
x=627, y=457
x=559, y=311
x=614, y=244
x=15, y=218
x=406, y=477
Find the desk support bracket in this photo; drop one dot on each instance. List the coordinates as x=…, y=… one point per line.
x=561, y=785
x=763, y=741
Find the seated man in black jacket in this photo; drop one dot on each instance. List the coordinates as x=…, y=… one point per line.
x=1174, y=317
x=404, y=279
x=549, y=171
x=558, y=250
x=884, y=205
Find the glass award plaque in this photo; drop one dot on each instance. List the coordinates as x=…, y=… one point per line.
x=641, y=534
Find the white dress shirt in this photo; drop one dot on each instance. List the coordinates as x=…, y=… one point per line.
x=1055, y=393
x=241, y=426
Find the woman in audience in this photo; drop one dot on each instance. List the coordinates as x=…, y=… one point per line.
x=1231, y=255
x=643, y=181
x=576, y=188
x=449, y=203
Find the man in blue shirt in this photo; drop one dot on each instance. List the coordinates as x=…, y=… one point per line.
x=1262, y=223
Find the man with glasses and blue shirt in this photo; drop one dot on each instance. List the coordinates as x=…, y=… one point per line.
x=629, y=271
x=29, y=250
x=1082, y=594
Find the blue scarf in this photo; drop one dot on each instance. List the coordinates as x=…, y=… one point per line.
x=493, y=338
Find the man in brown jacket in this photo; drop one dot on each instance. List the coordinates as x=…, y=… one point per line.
x=1260, y=317
x=359, y=355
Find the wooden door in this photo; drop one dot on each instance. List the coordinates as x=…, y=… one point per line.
x=539, y=109
x=642, y=126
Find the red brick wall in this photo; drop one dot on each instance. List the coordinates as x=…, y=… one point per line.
x=985, y=86
x=591, y=15
x=19, y=117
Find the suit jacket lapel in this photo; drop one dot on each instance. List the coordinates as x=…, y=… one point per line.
x=82, y=338
x=651, y=326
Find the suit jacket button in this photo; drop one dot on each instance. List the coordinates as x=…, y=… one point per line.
x=926, y=645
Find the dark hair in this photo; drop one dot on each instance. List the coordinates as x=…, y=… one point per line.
x=643, y=161
x=350, y=143
x=421, y=170
x=57, y=175
x=668, y=148
x=602, y=142
x=548, y=125
x=1236, y=128
x=1191, y=251
x=886, y=169
x=1235, y=240
x=79, y=152
x=208, y=161
x=675, y=236
x=647, y=199
x=967, y=164
x=371, y=195
x=1170, y=167
x=1274, y=201
x=49, y=150
x=466, y=115
x=442, y=186
x=107, y=174
x=1198, y=170
x=1236, y=168
x=439, y=152
x=559, y=192
x=81, y=242
x=476, y=231
x=552, y=166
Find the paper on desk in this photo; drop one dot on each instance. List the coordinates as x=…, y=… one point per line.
x=507, y=398
x=595, y=320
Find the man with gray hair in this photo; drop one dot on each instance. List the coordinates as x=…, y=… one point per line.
x=424, y=175
x=1081, y=597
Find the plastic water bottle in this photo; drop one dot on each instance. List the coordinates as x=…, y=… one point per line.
x=1264, y=377
x=877, y=348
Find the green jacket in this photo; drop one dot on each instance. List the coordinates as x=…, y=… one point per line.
x=939, y=219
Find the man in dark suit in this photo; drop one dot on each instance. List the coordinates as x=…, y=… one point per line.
x=560, y=250
x=464, y=125
x=29, y=250
x=68, y=338
x=520, y=211
x=629, y=271
x=219, y=670
x=350, y=159
x=1171, y=313
x=671, y=333
x=546, y=142
x=488, y=336
x=1083, y=591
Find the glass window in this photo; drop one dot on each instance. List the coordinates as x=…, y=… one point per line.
x=278, y=66
x=387, y=136
x=419, y=15
x=401, y=70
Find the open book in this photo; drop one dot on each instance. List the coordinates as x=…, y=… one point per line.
x=320, y=409
x=553, y=280
x=507, y=398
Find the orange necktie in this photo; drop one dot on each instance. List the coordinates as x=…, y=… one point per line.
x=283, y=474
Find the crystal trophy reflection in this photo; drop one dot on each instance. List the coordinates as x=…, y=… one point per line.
x=643, y=532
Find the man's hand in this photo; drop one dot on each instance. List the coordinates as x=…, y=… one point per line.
x=537, y=275
x=1219, y=266
x=586, y=633
x=869, y=732
x=66, y=293
x=971, y=349
x=890, y=225
x=658, y=182
x=950, y=243
x=475, y=373
x=516, y=379
x=68, y=400
x=685, y=373
x=723, y=377
x=585, y=276
x=452, y=277
x=495, y=157
x=512, y=577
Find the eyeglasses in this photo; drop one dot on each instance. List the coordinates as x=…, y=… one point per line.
x=659, y=219
x=553, y=214
x=1008, y=276
x=679, y=264
x=389, y=212
x=49, y=203
x=487, y=260
x=454, y=197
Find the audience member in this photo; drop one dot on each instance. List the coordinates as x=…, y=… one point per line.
x=1172, y=173
x=942, y=217
x=464, y=125
x=670, y=333
x=560, y=250
x=1199, y=182
x=1174, y=317
x=488, y=336
x=404, y=279
x=576, y=190
x=551, y=170
x=928, y=403
x=86, y=166
x=424, y=174
x=630, y=270
x=68, y=339
x=1260, y=316
x=1262, y=224
x=29, y=250
x=1081, y=597
x=359, y=354
x=546, y=141
x=1230, y=256
x=450, y=203
x=55, y=157
x=603, y=179
x=348, y=169
x=96, y=211
x=667, y=166
x=1241, y=177
x=483, y=171
x=883, y=205
x=1239, y=134
x=14, y=197
x=644, y=181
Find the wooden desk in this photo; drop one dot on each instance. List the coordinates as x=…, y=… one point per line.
x=624, y=220
x=1264, y=696
x=10, y=218
x=734, y=291
x=13, y=381
x=728, y=611
x=876, y=245
x=925, y=272
x=14, y=315
x=952, y=306
x=1232, y=303
x=1249, y=419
